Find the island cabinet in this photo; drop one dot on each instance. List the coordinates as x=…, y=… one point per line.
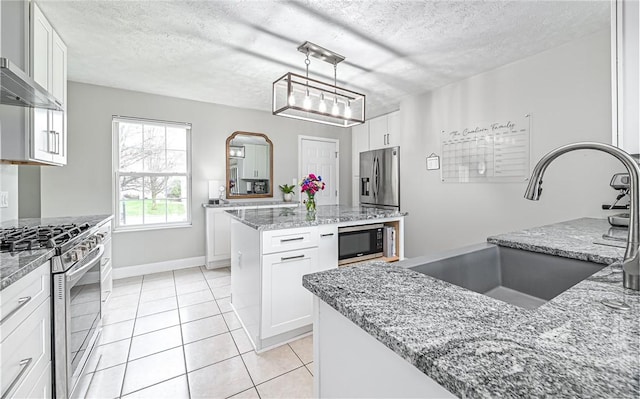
x=266, y=279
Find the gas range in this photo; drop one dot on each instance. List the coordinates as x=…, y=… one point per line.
x=27, y=238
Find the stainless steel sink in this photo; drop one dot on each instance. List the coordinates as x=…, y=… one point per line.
x=521, y=278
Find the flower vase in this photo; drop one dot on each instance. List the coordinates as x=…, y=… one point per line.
x=287, y=197
x=310, y=203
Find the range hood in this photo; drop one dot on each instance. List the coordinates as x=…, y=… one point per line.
x=21, y=90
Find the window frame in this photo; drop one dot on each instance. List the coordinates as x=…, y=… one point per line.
x=116, y=174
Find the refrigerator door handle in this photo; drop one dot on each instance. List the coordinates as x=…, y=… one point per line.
x=376, y=177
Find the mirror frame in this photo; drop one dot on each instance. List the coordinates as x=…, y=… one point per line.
x=228, y=166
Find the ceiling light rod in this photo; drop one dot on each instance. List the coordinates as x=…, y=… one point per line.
x=320, y=52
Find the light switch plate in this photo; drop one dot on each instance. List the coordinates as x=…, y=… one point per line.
x=4, y=199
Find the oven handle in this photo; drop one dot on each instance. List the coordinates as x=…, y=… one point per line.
x=89, y=265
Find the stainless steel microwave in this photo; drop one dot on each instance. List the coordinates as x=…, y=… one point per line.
x=357, y=243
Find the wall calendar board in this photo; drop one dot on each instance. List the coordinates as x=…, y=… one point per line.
x=488, y=152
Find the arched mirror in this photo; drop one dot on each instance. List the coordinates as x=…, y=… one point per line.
x=249, y=166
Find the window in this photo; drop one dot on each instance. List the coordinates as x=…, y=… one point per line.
x=152, y=165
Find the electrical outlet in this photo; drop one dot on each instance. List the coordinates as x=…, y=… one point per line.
x=4, y=199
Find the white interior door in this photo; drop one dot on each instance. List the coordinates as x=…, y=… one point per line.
x=320, y=157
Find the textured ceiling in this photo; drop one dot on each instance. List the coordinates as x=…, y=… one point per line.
x=231, y=51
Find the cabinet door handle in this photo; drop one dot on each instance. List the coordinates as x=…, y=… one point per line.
x=326, y=235
x=292, y=239
x=283, y=258
x=24, y=365
x=57, y=143
x=21, y=302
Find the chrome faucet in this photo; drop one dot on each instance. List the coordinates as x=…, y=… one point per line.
x=631, y=261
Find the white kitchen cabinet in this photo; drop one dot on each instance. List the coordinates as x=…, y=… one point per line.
x=287, y=305
x=384, y=131
x=48, y=130
x=394, y=127
x=25, y=336
x=38, y=136
x=359, y=143
x=218, y=232
x=106, y=267
x=41, y=47
x=255, y=164
x=378, y=131
x=327, y=247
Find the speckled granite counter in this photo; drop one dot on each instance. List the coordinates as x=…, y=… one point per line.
x=286, y=218
x=261, y=204
x=573, y=239
x=476, y=346
x=14, y=266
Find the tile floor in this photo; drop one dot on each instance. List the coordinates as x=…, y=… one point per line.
x=173, y=335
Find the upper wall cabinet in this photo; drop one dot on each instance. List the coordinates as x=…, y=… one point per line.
x=384, y=131
x=48, y=132
x=36, y=136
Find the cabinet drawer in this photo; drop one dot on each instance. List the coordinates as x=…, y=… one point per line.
x=289, y=240
x=41, y=389
x=105, y=230
x=106, y=257
x=26, y=352
x=106, y=286
x=22, y=297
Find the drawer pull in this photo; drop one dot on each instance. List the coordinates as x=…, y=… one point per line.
x=326, y=235
x=24, y=365
x=106, y=298
x=283, y=258
x=292, y=239
x=21, y=302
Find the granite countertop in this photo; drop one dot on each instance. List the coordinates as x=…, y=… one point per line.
x=15, y=265
x=476, y=346
x=238, y=204
x=287, y=218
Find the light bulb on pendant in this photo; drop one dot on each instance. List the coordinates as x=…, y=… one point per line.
x=334, y=109
x=306, y=104
x=347, y=110
x=292, y=99
x=323, y=106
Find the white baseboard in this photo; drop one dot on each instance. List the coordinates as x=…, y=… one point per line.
x=218, y=264
x=156, y=267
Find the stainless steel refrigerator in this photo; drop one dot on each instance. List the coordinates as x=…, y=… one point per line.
x=380, y=178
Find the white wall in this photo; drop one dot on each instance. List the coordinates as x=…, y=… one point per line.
x=567, y=90
x=84, y=186
x=9, y=183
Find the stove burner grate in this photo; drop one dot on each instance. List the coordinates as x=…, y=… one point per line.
x=17, y=239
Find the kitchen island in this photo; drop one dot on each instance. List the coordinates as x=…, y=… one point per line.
x=271, y=249
x=440, y=340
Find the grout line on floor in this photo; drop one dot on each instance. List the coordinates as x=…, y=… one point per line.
x=295, y=353
x=126, y=365
x=184, y=354
x=157, y=383
x=280, y=375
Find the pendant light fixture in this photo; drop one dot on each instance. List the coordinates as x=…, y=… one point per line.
x=299, y=97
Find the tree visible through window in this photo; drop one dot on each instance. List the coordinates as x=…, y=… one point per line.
x=152, y=172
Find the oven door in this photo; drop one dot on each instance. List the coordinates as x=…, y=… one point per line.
x=77, y=320
x=359, y=243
